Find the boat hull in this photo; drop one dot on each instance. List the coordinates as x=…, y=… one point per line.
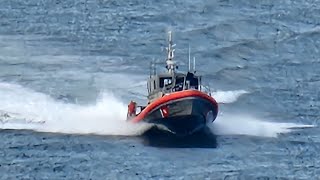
x=182, y=113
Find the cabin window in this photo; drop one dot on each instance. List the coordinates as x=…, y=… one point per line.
x=154, y=85
x=165, y=81
x=179, y=84
x=194, y=83
x=180, y=80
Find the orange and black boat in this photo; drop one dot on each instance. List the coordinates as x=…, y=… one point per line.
x=176, y=101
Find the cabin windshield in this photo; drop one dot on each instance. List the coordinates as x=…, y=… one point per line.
x=179, y=85
x=165, y=81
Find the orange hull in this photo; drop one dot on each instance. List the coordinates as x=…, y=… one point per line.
x=176, y=96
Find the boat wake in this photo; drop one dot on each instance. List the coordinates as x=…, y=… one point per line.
x=22, y=108
x=228, y=96
x=242, y=124
x=251, y=126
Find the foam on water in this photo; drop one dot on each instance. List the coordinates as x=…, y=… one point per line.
x=42, y=113
x=228, y=96
x=248, y=125
x=243, y=124
x=36, y=111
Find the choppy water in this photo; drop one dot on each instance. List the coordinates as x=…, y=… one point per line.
x=68, y=69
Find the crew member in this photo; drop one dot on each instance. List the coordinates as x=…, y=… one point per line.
x=132, y=108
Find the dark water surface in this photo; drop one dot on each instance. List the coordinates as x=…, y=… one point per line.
x=68, y=68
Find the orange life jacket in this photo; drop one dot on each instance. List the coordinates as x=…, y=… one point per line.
x=132, y=108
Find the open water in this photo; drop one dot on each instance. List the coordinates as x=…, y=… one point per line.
x=69, y=68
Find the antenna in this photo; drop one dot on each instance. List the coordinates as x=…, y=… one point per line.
x=150, y=68
x=171, y=65
x=153, y=68
x=189, y=59
x=194, y=64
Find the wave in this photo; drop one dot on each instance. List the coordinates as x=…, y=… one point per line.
x=240, y=124
x=23, y=108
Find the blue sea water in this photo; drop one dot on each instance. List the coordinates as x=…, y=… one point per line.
x=68, y=69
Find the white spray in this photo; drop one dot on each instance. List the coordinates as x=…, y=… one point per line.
x=244, y=124
x=249, y=125
x=36, y=111
x=42, y=113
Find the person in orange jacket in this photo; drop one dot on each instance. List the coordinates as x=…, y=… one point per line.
x=132, y=108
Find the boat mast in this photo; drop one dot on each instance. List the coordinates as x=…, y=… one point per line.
x=171, y=65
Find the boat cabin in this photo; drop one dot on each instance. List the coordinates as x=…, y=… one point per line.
x=172, y=81
x=161, y=84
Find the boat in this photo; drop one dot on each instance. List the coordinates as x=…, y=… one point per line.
x=176, y=101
